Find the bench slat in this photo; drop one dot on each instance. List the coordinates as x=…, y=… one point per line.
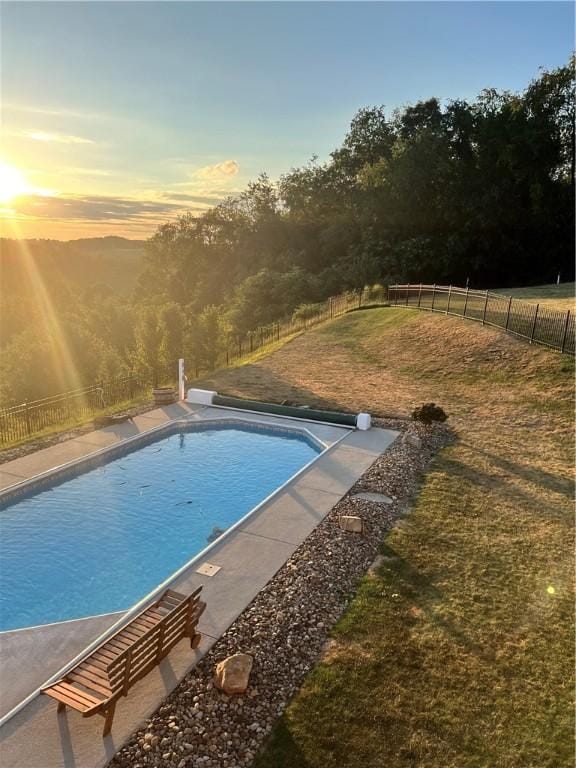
x=82, y=677
x=65, y=699
x=96, y=671
x=83, y=698
x=145, y=622
x=98, y=660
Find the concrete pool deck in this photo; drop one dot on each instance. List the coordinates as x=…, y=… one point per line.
x=36, y=737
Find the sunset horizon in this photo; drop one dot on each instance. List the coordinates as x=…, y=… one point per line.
x=121, y=138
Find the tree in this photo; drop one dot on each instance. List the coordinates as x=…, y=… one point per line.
x=211, y=334
x=148, y=340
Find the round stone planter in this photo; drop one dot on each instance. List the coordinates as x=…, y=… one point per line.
x=164, y=396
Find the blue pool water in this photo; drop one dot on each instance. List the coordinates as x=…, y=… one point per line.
x=100, y=541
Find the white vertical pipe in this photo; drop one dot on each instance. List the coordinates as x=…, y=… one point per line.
x=181, y=381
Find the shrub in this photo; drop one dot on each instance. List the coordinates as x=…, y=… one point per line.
x=428, y=413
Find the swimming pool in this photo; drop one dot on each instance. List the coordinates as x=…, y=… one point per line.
x=102, y=539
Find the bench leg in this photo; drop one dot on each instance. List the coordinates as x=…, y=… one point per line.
x=195, y=640
x=109, y=718
x=61, y=706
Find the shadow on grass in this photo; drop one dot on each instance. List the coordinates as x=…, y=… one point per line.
x=418, y=588
x=256, y=382
x=554, y=483
x=281, y=749
x=504, y=488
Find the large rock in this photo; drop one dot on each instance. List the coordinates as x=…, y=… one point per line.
x=233, y=673
x=350, y=523
x=411, y=439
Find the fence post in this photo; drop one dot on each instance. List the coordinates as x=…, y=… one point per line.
x=534, y=324
x=419, y=295
x=331, y=308
x=251, y=343
x=485, y=306
x=407, y=294
x=449, y=296
x=563, y=346
x=277, y=331
x=433, y=295
x=27, y=417
x=466, y=300
x=508, y=315
x=360, y=297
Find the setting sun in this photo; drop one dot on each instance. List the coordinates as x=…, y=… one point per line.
x=12, y=182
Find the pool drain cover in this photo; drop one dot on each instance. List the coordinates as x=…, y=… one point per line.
x=207, y=569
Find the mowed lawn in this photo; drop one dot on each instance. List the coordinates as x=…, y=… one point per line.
x=553, y=296
x=459, y=653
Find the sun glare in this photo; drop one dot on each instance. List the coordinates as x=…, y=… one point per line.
x=12, y=182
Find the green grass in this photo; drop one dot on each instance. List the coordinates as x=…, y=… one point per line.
x=459, y=652
x=554, y=296
x=264, y=351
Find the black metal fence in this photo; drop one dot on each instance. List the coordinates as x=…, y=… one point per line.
x=26, y=420
x=538, y=324
x=239, y=346
x=23, y=421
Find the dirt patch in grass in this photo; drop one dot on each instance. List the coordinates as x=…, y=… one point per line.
x=465, y=635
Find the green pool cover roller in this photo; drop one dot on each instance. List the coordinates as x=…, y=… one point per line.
x=311, y=414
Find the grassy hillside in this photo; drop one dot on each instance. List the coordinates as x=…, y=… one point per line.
x=554, y=296
x=460, y=652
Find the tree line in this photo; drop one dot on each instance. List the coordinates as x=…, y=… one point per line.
x=463, y=192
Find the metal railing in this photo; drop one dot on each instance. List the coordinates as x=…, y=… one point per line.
x=23, y=421
x=242, y=345
x=536, y=323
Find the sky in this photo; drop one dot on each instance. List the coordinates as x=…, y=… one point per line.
x=118, y=116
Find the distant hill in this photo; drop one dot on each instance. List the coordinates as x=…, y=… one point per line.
x=113, y=263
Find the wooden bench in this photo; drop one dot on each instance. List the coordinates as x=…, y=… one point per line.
x=95, y=684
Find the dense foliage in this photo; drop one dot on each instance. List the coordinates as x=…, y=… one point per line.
x=479, y=192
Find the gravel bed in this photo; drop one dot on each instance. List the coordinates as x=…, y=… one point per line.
x=284, y=628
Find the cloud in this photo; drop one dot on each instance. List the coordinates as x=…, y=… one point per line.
x=91, y=208
x=58, y=138
x=54, y=111
x=207, y=199
x=226, y=168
